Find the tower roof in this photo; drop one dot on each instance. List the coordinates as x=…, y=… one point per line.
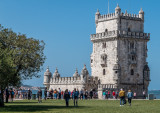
x=117, y=8
x=141, y=11
x=84, y=71
x=56, y=74
x=97, y=13
x=76, y=73
x=47, y=72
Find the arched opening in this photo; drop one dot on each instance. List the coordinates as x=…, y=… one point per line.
x=129, y=29
x=106, y=30
x=104, y=72
x=103, y=45
x=132, y=72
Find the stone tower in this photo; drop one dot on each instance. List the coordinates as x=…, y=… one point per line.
x=120, y=51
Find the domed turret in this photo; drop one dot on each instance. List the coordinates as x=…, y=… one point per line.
x=56, y=74
x=141, y=14
x=76, y=74
x=47, y=76
x=97, y=16
x=84, y=71
x=117, y=10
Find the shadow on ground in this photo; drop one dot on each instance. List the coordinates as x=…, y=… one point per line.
x=35, y=108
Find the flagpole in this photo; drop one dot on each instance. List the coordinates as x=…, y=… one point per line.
x=108, y=6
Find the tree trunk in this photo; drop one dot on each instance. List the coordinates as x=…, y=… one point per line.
x=1, y=99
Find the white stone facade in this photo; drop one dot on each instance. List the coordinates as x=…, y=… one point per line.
x=120, y=51
x=82, y=81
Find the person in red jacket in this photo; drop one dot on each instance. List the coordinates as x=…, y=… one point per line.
x=114, y=94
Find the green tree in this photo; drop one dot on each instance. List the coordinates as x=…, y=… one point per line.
x=20, y=57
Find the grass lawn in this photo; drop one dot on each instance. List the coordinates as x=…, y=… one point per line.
x=85, y=106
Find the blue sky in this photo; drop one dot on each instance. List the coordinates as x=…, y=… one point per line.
x=66, y=25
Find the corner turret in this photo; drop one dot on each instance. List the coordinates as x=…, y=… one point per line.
x=47, y=77
x=56, y=74
x=84, y=74
x=97, y=16
x=117, y=10
x=141, y=14
x=76, y=73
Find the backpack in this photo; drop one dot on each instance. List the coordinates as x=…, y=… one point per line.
x=121, y=93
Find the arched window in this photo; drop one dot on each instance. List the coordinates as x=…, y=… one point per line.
x=129, y=29
x=106, y=30
x=103, y=45
x=132, y=72
x=104, y=72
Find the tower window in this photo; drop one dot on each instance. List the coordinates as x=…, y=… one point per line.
x=129, y=29
x=132, y=58
x=132, y=72
x=104, y=72
x=91, y=60
x=104, y=45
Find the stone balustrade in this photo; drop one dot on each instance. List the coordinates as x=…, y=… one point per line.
x=122, y=15
x=65, y=80
x=119, y=34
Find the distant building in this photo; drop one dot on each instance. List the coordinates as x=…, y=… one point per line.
x=118, y=59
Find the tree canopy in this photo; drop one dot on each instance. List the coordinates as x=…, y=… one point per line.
x=20, y=57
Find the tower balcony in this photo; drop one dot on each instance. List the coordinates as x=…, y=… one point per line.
x=119, y=34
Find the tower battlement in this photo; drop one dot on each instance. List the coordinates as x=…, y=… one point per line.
x=119, y=34
x=110, y=16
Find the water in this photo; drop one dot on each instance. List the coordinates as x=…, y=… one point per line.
x=35, y=92
x=155, y=92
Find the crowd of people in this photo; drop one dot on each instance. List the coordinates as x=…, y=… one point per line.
x=10, y=94
x=59, y=94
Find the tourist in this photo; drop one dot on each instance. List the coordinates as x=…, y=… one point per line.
x=45, y=93
x=113, y=94
x=104, y=95
x=69, y=94
x=40, y=96
x=122, y=97
x=75, y=97
x=81, y=94
x=91, y=94
x=29, y=94
x=116, y=94
x=109, y=94
x=55, y=94
x=72, y=95
x=135, y=95
x=51, y=93
x=48, y=94
x=78, y=93
x=129, y=95
x=67, y=97
x=7, y=95
x=62, y=94
x=86, y=95
x=59, y=94
x=12, y=94
x=144, y=95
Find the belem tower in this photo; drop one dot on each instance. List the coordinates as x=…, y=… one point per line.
x=118, y=59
